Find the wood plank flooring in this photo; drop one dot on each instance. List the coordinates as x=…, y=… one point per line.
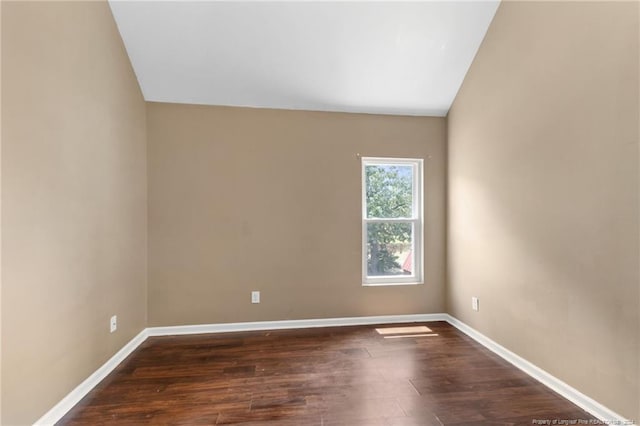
x=327, y=376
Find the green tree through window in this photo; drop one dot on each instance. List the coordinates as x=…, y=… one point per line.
x=389, y=194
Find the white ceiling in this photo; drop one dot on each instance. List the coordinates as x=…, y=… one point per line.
x=373, y=57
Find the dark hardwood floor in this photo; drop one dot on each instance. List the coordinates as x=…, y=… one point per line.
x=328, y=376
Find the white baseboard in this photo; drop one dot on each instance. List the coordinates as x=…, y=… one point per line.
x=68, y=402
x=290, y=324
x=581, y=400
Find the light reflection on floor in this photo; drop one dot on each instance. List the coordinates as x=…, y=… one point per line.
x=410, y=335
x=406, y=332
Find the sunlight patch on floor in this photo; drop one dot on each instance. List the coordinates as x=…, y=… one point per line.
x=410, y=335
x=404, y=330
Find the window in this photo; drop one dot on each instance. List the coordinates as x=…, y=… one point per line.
x=391, y=221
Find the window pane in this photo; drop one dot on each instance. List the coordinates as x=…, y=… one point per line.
x=389, y=191
x=389, y=249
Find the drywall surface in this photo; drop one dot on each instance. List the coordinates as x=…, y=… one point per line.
x=73, y=200
x=254, y=199
x=543, y=193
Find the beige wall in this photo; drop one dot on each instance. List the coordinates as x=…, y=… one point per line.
x=543, y=181
x=73, y=199
x=254, y=199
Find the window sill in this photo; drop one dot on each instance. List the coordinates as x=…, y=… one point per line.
x=382, y=284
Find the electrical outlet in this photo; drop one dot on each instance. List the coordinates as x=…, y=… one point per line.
x=475, y=304
x=255, y=297
x=113, y=323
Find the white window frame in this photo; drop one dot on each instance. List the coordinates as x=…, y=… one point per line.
x=417, y=221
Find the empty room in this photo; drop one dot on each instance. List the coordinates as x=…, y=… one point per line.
x=320, y=213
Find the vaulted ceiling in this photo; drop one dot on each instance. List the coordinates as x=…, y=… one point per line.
x=372, y=57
